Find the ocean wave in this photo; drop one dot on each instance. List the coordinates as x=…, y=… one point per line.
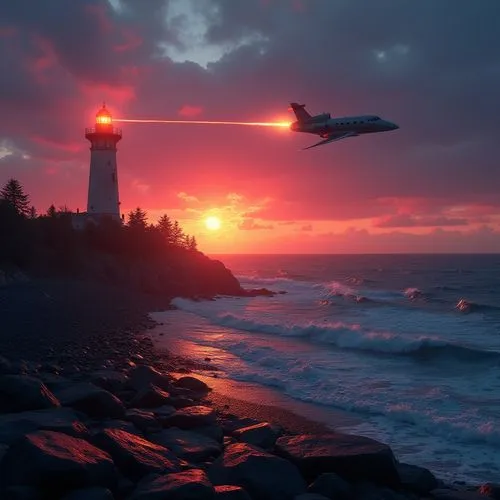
x=467, y=307
x=348, y=336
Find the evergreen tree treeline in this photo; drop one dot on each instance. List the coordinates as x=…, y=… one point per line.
x=50, y=240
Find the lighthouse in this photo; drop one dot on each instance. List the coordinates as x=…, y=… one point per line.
x=103, y=199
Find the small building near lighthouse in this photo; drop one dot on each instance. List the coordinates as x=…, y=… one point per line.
x=103, y=199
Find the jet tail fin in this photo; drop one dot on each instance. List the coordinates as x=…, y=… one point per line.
x=300, y=112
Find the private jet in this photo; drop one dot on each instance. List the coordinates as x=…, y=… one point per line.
x=335, y=129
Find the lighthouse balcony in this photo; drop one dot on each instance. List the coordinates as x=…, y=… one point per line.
x=103, y=131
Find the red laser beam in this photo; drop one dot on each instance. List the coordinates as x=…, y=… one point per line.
x=204, y=122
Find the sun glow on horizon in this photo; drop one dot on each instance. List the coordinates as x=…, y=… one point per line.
x=212, y=223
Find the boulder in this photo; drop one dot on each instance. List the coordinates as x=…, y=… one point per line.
x=192, y=383
x=143, y=420
x=91, y=400
x=351, y=457
x=15, y=425
x=181, y=401
x=230, y=492
x=263, y=435
x=188, y=445
x=150, y=397
x=22, y=393
x=264, y=476
x=142, y=376
x=136, y=456
x=331, y=485
x=55, y=463
x=110, y=380
x=191, y=416
x=187, y=485
x=491, y=490
x=449, y=494
x=90, y=494
x=212, y=431
x=417, y=479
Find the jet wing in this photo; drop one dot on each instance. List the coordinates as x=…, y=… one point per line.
x=332, y=138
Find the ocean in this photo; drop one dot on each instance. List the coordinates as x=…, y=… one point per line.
x=408, y=345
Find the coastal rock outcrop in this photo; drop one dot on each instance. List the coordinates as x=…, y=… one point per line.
x=264, y=476
x=55, y=462
x=351, y=457
x=135, y=456
x=22, y=393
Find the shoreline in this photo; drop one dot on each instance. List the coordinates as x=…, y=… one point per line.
x=113, y=392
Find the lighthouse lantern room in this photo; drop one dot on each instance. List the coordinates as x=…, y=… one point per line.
x=103, y=198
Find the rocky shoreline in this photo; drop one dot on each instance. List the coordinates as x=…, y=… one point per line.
x=94, y=412
x=130, y=430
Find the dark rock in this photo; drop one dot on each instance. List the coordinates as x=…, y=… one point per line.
x=55, y=463
x=21, y=393
x=187, y=485
x=110, y=380
x=417, y=479
x=15, y=425
x=90, y=494
x=230, y=492
x=263, y=435
x=136, y=456
x=231, y=423
x=163, y=413
x=141, y=377
x=20, y=493
x=331, y=485
x=92, y=400
x=491, y=490
x=191, y=416
x=192, y=383
x=143, y=420
x=351, y=457
x=181, y=401
x=98, y=426
x=264, y=476
x=448, y=494
x=212, y=431
x=188, y=445
x=150, y=397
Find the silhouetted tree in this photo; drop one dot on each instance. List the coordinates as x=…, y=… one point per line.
x=32, y=214
x=191, y=243
x=177, y=235
x=137, y=219
x=51, y=211
x=164, y=226
x=13, y=192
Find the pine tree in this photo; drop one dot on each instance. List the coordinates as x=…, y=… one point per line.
x=33, y=214
x=138, y=219
x=165, y=226
x=177, y=235
x=51, y=211
x=13, y=192
x=191, y=243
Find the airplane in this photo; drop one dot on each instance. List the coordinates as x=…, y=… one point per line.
x=335, y=129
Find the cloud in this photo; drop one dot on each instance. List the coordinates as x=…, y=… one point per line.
x=250, y=225
x=244, y=61
x=406, y=220
x=187, y=198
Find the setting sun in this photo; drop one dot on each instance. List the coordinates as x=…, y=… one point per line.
x=212, y=223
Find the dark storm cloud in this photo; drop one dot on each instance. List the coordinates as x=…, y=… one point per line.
x=431, y=66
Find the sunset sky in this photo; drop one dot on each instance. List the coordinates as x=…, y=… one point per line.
x=431, y=66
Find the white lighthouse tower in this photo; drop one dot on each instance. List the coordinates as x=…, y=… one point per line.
x=103, y=199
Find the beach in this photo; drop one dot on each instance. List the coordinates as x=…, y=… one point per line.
x=96, y=387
